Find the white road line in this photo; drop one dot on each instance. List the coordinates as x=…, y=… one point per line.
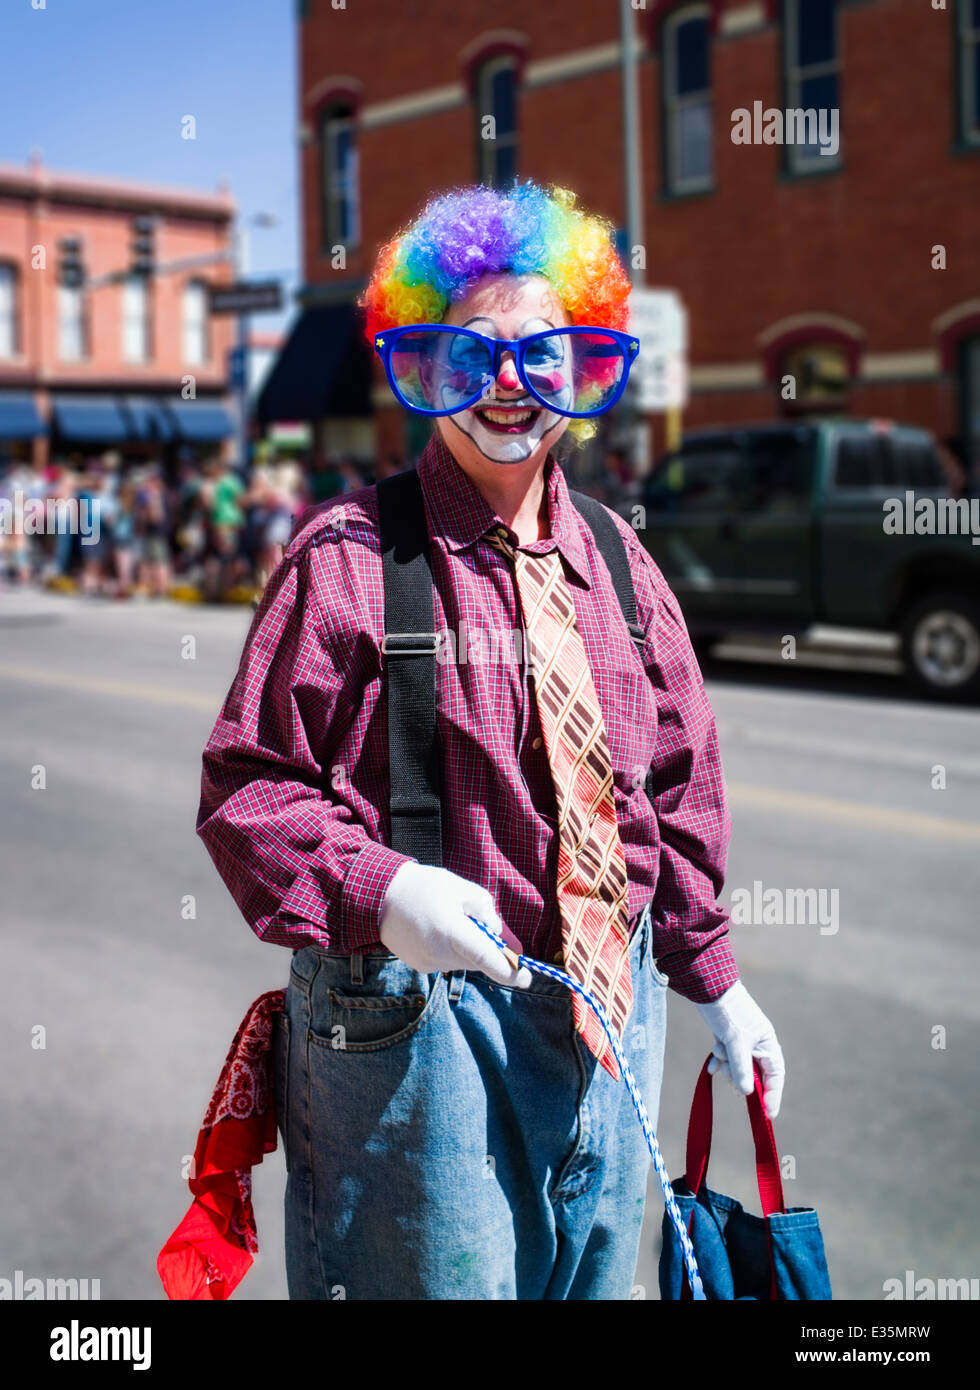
x=920, y=759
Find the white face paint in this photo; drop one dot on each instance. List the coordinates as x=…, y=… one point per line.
x=503, y=439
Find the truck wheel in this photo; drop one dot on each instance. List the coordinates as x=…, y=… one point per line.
x=941, y=646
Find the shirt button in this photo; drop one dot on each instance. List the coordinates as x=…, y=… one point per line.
x=537, y=743
x=557, y=958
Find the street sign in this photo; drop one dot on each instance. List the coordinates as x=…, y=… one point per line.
x=245, y=298
x=658, y=320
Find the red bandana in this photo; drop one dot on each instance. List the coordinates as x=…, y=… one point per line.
x=212, y=1248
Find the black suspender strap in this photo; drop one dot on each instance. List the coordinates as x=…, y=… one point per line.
x=409, y=646
x=613, y=551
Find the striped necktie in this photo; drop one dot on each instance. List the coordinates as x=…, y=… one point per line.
x=592, y=880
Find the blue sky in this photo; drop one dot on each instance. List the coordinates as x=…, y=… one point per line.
x=100, y=86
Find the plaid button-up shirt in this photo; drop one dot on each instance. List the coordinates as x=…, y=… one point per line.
x=294, y=801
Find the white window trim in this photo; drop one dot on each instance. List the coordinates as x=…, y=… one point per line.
x=333, y=192
x=8, y=272
x=146, y=354
x=78, y=298
x=201, y=325
x=794, y=77
x=672, y=105
x=490, y=149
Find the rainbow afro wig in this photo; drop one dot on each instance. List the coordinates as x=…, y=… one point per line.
x=467, y=233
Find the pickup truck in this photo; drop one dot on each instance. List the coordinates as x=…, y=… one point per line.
x=850, y=523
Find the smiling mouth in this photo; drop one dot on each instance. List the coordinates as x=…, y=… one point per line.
x=507, y=419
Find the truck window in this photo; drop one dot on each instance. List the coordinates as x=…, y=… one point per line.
x=914, y=463
x=776, y=473
x=858, y=461
x=691, y=482
x=887, y=461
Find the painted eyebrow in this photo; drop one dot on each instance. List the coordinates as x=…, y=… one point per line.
x=482, y=318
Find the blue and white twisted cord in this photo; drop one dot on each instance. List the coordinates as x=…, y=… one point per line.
x=673, y=1210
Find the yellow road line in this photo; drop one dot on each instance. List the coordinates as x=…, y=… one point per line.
x=867, y=816
x=100, y=685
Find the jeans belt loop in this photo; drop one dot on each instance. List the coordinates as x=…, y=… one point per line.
x=456, y=982
x=357, y=968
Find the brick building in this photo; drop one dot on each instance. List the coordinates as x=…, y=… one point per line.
x=95, y=352
x=852, y=271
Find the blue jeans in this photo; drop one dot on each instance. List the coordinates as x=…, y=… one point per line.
x=449, y=1138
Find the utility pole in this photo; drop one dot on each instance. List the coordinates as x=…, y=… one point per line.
x=260, y=219
x=241, y=270
x=632, y=157
x=633, y=201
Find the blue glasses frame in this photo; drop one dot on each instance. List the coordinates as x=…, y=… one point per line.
x=385, y=342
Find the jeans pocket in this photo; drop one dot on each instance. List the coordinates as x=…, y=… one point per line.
x=661, y=979
x=391, y=1004
x=280, y=1057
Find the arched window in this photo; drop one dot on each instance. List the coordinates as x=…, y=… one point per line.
x=968, y=77
x=686, y=100
x=811, y=59
x=496, y=120
x=72, y=338
x=136, y=319
x=811, y=359
x=820, y=377
x=8, y=311
x=197, y=348
x=339, y=176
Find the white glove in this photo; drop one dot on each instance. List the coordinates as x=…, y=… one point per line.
x=742, y=1032
x=424, y=922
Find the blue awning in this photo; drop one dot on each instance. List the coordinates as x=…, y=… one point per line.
x=19, y=418
x=147, y=418
x=199, y=422
x=90, y=420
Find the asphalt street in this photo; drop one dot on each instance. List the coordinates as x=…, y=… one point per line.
x=834, y=782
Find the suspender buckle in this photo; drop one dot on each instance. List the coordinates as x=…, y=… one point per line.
x=411, y=643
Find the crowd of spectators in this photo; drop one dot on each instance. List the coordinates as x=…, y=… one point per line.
x=207, y=526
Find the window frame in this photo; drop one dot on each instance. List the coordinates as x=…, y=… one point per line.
x=78, y=294
x=810, y=404
x=794, y=165
x=673, y=185
x=205, y=359
x=336, y=116
x=147, y=321
x=488, y=150
x=965, y=40
x=13, y=270
x=967, y=346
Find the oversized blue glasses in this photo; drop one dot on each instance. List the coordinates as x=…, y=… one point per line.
x=436, y=369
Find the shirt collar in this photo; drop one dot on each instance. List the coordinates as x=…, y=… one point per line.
x=460, y=514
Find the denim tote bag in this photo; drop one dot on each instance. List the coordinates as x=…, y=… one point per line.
x=778, y=1255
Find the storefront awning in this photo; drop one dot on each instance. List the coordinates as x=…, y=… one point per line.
x=323, y=371
x=199, y=422
x=147, y=419
x=92, y=420
x=19, y=418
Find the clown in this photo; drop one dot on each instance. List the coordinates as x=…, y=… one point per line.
x=454, y=1127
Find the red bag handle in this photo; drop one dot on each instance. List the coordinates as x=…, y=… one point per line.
x=766, y=1154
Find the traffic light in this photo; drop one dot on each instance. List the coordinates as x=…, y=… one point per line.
x=71, y=272
x=143, y=253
